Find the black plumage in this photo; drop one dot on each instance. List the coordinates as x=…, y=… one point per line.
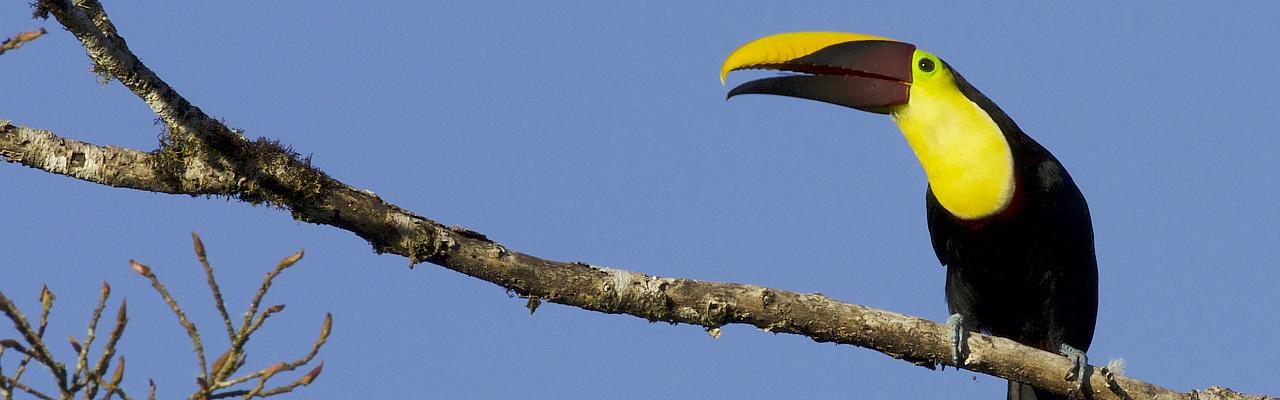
x=1028, y=272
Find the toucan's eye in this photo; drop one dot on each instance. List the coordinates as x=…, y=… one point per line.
x=926, y=64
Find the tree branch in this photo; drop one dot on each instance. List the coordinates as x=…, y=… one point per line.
x=202, y=156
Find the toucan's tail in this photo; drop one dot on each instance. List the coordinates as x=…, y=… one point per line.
x=1022, y=391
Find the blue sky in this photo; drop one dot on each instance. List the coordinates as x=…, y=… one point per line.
x=599, y=133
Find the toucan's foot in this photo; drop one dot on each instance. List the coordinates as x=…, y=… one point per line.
x=1079, y=365
x=959, y=339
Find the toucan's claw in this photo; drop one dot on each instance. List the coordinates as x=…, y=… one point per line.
x=1079, y=365
x=959, y=339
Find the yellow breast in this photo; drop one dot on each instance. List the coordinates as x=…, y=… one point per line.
x=963, y=152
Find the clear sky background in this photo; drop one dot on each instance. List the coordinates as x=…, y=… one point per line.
x=580, y=131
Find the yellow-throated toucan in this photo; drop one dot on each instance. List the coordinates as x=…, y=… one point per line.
x=1004, y=216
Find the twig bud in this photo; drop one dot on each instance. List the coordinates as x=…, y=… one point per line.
x=328, y=324
x=311, y=376
x=195, y=238
x=46, y=297
x=291, y=259
x=140, y=269
x=222, y=359
x=75, y=344
x=119, y=374
x=122, y=314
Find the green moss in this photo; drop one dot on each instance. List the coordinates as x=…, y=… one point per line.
x=422, y=247
x=171, y=157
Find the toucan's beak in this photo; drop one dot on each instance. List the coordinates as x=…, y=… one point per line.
x=865, y=72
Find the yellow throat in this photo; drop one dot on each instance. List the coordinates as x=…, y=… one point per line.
x=963, y=152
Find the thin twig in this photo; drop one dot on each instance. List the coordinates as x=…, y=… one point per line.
x=220, y=366
x=112, y=391
x=303, y=381
x=82, y=359
x=258, y=391
x=95, y=376
x=285, y=263
x=108, y=350
x=16, y=346
x=325, y=328
x=263, y=376
x=213, y=286
x=23, y=387
x=145, y=271
x=257, y=323
x=247, y=327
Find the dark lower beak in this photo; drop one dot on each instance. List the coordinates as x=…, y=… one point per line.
x=869, y=75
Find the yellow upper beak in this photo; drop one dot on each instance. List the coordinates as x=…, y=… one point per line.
x=784, y=47
x=864, y=72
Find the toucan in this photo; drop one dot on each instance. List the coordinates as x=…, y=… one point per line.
x=1005, y=219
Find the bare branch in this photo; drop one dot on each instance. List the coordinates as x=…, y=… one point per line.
x=23, y=387
x=38, y=350
x=325, y=328
x=109, y=165
x=46, y=304
x=82, y=360
x=303, y=381
x=250, y=325
x=16, y=346
x=94, y=376
x=708, y=304
x=111, y=56
x=257, y=323
x=110, y=391
x=233, y=358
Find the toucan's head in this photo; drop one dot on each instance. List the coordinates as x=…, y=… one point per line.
x=865, y=72
x=957, y=133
